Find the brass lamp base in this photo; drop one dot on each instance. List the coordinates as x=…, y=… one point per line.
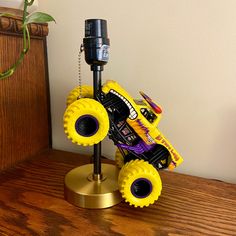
x=85, y=190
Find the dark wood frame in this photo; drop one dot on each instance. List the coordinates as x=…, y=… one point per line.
x=25, y=126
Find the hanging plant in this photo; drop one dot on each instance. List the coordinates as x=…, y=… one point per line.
x=36, y=17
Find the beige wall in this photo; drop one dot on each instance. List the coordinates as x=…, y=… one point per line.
x=181, y=52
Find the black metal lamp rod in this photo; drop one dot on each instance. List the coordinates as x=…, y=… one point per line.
x=96, y=44
x=97, y=78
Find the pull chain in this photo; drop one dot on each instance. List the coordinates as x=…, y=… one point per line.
x=79, y=70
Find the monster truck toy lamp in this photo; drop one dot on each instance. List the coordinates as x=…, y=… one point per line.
x=93, y=113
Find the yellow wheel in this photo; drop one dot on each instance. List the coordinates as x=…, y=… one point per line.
x=86, y=92
x=119, y=159
x=86, y=122
x=139, y=183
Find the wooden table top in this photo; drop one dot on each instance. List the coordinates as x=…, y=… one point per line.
x=32, y=203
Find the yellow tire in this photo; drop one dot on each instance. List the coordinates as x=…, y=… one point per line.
x=139, y=183
x=86, y=122
x=86, y=92
x=119, y=159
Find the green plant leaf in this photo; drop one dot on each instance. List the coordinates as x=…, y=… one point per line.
x=39, y=17
x=7, y=14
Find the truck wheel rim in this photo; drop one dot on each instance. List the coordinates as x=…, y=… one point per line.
x=86, y=125
x=141, y=188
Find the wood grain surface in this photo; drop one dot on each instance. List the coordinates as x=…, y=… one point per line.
x=32, y=203
x=13, y=25
x=24, y=101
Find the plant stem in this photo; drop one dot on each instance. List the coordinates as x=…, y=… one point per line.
x=23, y=22
x=26, y=43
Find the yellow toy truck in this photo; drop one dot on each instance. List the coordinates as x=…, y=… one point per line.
x=142, y=150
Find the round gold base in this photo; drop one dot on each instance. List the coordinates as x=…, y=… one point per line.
x=85, y=190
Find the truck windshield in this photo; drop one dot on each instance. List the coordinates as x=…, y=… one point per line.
x=148, y=114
